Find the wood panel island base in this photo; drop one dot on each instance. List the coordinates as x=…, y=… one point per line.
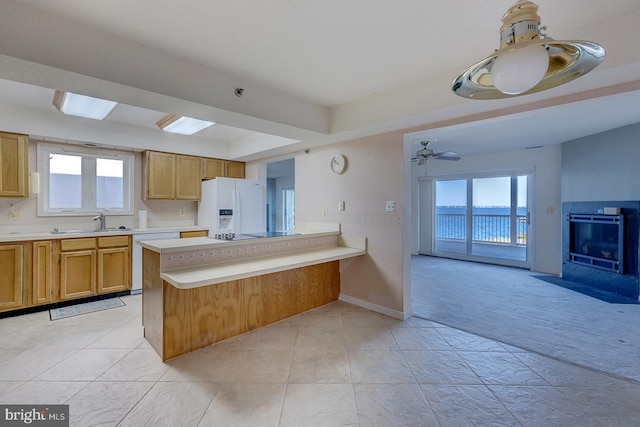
x=189, y=308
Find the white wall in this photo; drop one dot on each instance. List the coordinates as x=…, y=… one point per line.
x=545, y=163
x=373, y=176
x=602, y=167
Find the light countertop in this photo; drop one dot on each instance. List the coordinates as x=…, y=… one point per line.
x=49, y=235
x=213, y=274
x=199, y=243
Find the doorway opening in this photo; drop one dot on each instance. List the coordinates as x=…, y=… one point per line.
x=281, y=195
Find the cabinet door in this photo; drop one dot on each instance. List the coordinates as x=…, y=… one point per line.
x=113, y=270
x=43, y=273
x=12, y=277
x=212, y=168
x=77, y=274
x=13, y=165
x=234, y=169
x=160, y=175
x=188, y=177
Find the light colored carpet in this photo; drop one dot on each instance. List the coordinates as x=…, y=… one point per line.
x=84, y=308
x=512, y=306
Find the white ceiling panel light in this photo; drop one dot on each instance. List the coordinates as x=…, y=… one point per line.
x=528, y=61
x=88, y=107
x=182, y=125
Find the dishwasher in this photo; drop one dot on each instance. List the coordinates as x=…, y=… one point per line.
x=136, y=256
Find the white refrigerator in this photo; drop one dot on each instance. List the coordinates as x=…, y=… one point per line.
x=231, y=205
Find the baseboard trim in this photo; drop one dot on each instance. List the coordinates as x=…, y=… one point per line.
x=374, y=307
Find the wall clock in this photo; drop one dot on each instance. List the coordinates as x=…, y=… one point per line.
x=338, y=163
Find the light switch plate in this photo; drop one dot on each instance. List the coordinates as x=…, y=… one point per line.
x=391, y=206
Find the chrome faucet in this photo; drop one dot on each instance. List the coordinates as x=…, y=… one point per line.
x=103, y=223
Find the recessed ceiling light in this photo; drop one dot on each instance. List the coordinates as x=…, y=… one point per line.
x=182, y=125
x=82, y=106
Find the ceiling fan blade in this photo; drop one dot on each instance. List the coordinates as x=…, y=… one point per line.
x=422, y=161
x=447, y=155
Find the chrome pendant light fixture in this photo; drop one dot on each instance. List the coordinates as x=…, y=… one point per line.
x=527, y=61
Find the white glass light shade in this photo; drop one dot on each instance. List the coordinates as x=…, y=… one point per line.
x=183, y=125
x=519, y=70
x=86, y=106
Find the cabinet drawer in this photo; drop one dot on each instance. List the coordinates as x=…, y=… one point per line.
x=77, y=244
x=187, y=234
x=113, y=241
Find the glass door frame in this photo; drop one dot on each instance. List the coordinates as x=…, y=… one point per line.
x=469, y=256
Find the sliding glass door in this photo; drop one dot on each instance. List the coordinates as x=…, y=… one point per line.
x=483, y=218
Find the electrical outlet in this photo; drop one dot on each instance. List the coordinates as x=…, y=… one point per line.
x=390, y=206
x=341, y=205
x=182, y=212
x=15, y=214
x=325, y=212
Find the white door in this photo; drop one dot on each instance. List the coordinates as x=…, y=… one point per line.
x=483, y=219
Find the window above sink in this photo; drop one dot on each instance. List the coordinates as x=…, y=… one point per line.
x=81, y=181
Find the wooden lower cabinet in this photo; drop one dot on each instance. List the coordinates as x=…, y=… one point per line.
x=178, y=321
x=77, y=274
x=199, y=233
x=44, y=272
x=90, y=266
x=12, y=276
x=113, y=270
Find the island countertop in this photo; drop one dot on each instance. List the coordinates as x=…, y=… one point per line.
x=199, y=291
x=202, y=261
x=203, y=243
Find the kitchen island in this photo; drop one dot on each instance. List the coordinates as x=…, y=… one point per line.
x=200, y=291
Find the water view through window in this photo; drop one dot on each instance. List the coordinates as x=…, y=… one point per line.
x=482, y=217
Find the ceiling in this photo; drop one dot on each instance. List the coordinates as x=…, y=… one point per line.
x=313, y=73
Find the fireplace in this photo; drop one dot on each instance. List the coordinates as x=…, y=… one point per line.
x=601, y=251
x=597, y=241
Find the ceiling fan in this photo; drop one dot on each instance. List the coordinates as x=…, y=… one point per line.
x=426, y=153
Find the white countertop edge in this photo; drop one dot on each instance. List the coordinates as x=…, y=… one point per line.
x=198, y=243
x=48, y=235
x=214, y=274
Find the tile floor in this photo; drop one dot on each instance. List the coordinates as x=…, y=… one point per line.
x=338, y=365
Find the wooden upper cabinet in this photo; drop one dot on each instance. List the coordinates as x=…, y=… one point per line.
x=212, y=168
x=172, y=176
x=14, y=167
x=234, y=169
x=188, y=177
x=160, y=171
